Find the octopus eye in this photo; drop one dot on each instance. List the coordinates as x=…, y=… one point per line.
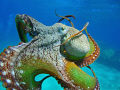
x=63, y=30
x=33, y=34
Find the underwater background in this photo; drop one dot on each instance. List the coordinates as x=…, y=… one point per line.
x=104, y=27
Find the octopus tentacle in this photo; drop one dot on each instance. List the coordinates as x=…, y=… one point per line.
x=16, y=66
x=78, y=78
x=67, y=86
x=24, y=25
x=67, y=17
x=7, y=72
x=97, y=87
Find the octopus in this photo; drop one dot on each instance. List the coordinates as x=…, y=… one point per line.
x=58, y=50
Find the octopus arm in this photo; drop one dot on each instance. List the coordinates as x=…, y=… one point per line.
x=20, y=28
x=7, y=66
x=78, y=79
x=18, y=70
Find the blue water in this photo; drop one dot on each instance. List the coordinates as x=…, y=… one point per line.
x=104, y=27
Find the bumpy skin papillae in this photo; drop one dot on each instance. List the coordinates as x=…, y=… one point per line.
x=20, y=64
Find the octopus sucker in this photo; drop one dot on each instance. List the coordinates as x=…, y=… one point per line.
x=7, y=68
x=57, y=50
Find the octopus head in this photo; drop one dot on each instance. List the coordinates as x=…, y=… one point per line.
x=77, y=46
x=74, y=45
